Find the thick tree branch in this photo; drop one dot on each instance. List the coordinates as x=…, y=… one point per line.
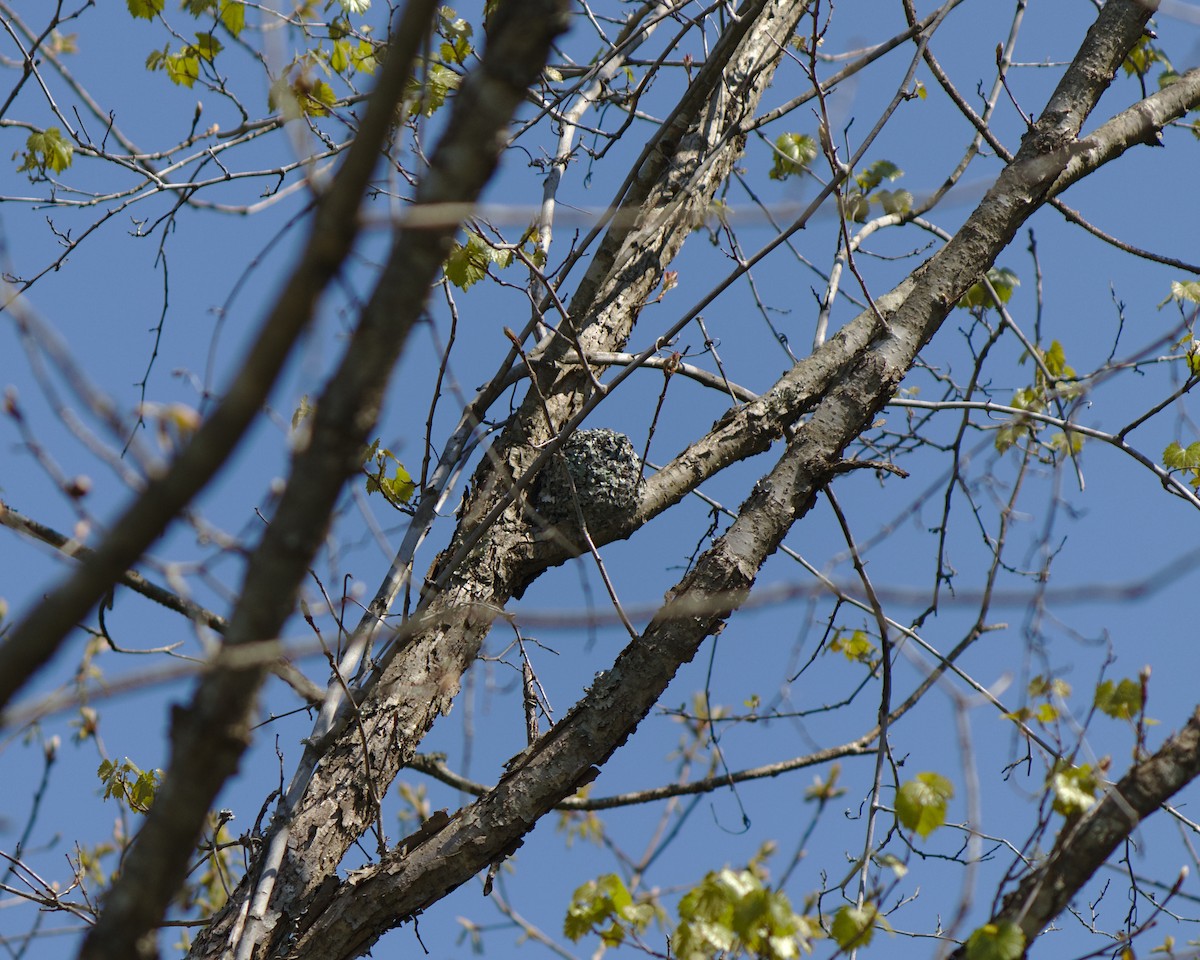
x=518, y=44
x=421, y=675
x=1083, y=846
x=209, y=737
x=862, y=375
x=566, y=757
x=841, y=388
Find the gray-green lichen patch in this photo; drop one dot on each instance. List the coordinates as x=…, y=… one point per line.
x=598, y=468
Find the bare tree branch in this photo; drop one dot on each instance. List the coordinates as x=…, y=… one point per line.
x=33, y=641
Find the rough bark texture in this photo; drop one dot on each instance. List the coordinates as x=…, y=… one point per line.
x=419, y=680
x=1083, y=846
x=461, y=165
x=839, y=390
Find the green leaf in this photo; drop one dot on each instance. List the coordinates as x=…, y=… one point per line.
x=233, y=16
x=1176, y=457
x=48, y=150
x=876, y=173
x=399, y=487
x=857, y=207
x=1046, y=714
x=428, y=97
x=921, y=802
x=605, y=900
x=339, y=56
x=1006, y=436
x=854, y=927
x=1074, y=788
x=996, y=941
x=302, y=95
x=1054, y=358
x=792, y=154
x=894, y=201
x=207, y=46
x=144, y=9
x=1043, y=686
x=1123, y=700
x=1183, y=290
x=1143, y=56
x=363, y=57
x=317, y=98
x=1003, y=280
x=731, y=911
x=857, y=648
x=127, y=783
x=183, y=68
x=468, y=264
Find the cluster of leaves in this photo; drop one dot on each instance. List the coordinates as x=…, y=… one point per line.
x=1144, y=55
x=1176, y=456
x=183, y=66
x=1073, y=788
x=792, y=154
x=857, y=647
x=129, y=784
x=349, y=53
x=209, y=886
x=428, y=93
x=455, y=34
x=300, y=90
x=468, y=263
x=734, y=912
x=134, y=790
x=1121, y=700
x=398, y=487
x=605, y=906
x=1053, y=378
x=46, y=150
x=857, y=201
x=1041, y=707
x=978, y=297
x=1142, y=59
x=729, y=913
